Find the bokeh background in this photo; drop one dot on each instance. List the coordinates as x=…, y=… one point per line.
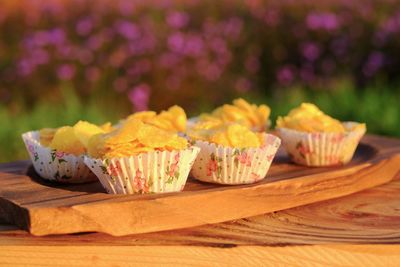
x=61, y=61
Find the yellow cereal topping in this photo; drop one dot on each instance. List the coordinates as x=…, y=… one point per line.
x=242, y=112
x=132, y=138
x=173, y=119
x=309, y=118
x=72, y=140
x=230, y=135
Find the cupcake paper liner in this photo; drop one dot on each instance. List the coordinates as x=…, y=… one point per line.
x=226, y=165
x=55, y=165
x=152, y=172
x=321, y=149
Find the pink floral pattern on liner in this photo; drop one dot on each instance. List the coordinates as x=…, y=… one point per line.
x=303, y=150
x=139, y=183
x=244, y=159
x=59, y=154
x=316, y=136
x=31, y=148
x=270, y=157
x=173, y=169
x=114, y=168
x=35, y=155
x=212, y=167
x=255, y=177
x=337, y=139
x=270, y=140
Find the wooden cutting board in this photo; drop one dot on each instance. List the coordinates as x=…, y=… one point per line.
x=45, y=208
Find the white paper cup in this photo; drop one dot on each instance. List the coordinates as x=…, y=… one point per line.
x=56, y=165
x=321, y=149
x=227, y=165
x=146, y=173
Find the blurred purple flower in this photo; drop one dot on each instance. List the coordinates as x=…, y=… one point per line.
x=285, y=74
x=310, y=51
x=146, y=45
x=324, y=21
x=233, y=27
x=218, y=45
x=126, y=7
x=25, y=67
x=176, y=42
x=392, y=24
x=194, y=45
x=56, y=36
x=271, y=17
x=66, y=71
x=39, y=56
x=140, y=96
x=177, y=19
x=127, y=29
x=84, y=26
x=65, y=51
x=374, y=62
x=28, y=42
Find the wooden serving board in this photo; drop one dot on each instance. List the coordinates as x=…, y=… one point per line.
x=45, y=208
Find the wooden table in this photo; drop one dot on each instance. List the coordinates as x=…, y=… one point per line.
x=362, y=229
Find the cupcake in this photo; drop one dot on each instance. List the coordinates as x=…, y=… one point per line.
x=141, y=158
x=250, y=115
x=313, y=138
x=231, y=153
x=173, y=119
x=58, y=154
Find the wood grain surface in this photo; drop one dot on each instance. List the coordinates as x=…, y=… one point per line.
x=44, y=208
x=357, y=230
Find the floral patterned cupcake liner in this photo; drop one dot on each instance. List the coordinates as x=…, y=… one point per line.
x=226, y=165
x=152, y=172
x=56, y=165
x=321, y=149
